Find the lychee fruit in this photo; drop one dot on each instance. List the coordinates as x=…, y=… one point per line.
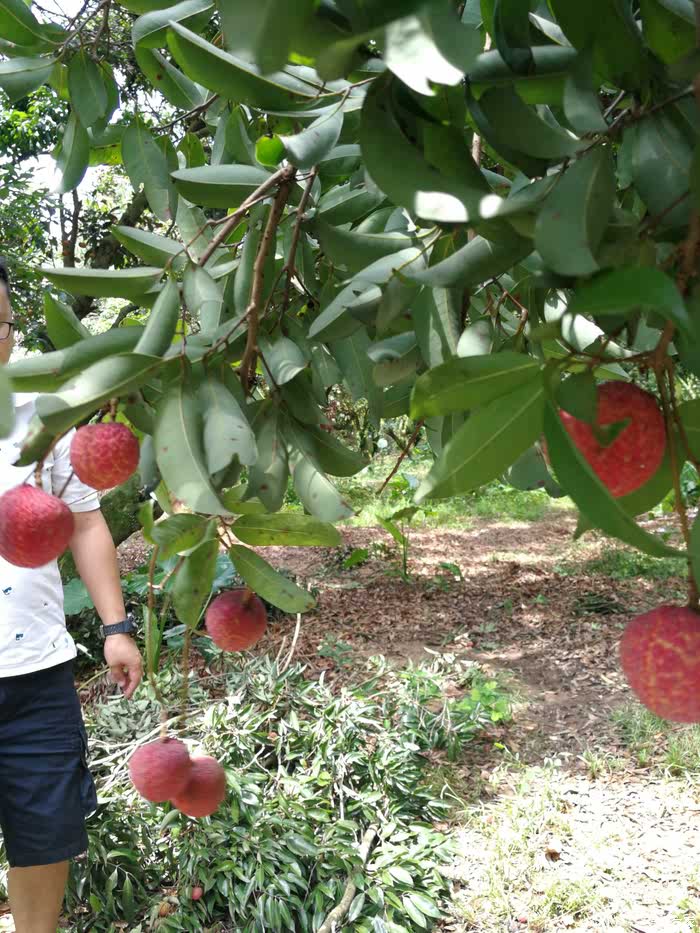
x=35, y=527
x=660, y=655
x=205, y=789
x=635, y=455
x=197, y=893
x=236, y=619
x=104, y=455
x=160, y=769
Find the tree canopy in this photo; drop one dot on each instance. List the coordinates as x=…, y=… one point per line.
x=466, y=213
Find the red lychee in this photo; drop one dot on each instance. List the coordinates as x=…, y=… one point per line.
x=104, y=455
x=660, y=655
x=197, y=892
x=35, y=527
x=205, y=789
x=636, y=453
x=160, y=769
x=236, y=619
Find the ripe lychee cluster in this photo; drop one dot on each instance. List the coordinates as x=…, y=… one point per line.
x=164, y=770
x=35, y=526
x=636, y=453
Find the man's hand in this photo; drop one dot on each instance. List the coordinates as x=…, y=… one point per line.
x=125, y=664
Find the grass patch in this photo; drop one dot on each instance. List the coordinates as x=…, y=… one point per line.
x=654, y=742
x=622, y=563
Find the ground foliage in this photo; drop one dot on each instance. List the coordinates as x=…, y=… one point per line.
x=309, y=769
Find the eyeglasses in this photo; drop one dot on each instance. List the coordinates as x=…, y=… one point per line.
x=6, y=329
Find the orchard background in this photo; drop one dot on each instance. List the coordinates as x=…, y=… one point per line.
x=353, y=272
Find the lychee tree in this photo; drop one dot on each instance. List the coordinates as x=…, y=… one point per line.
x=484, y=215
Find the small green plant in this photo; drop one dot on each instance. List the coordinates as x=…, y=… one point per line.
x=621, y=563
x=340, y=652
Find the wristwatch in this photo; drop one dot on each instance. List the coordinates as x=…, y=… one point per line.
x=125, y=627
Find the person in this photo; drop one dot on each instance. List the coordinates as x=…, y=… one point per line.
x=46, y=790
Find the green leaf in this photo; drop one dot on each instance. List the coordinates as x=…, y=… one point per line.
x=334, y=321
x=45, y=372
x=512, y=119
x=63, y=327
x=473, y=264
x=668, y=28
x=146, y=165
x=88, y=91
x=405, y=173
x=285, y=529
x=355, y=365
x=263, y=32
x=425, y=904
x=20, y=76
x=573, y=219
x=267, y=477
x=282, y=359
x=355, y=251
x=150, y=30
x=104, y=283
x=177, y=534
x=624, y=290
x=73, y=155
x=152, y=248
x=413, y=912
x=580, y=101
x=85, y=393
x=162, y=322
x=193, y=583
x=436, y=314
x=240, y=81
x=689, y=415
x=332, y=456
x=203, y=297
x=511, y=28
x=307, y=148
x=268, y=583
x=543, y=85
x=317, y=493
x=180, y=453
x=469, y=382
x=490, y=440
x=170, y=81
x=660, y=165
x=234, y=502
x=7, y=408
x=590, y=495
x=18, y=24
x=219, y=185
x=578, y=395
x=417, y=50
x=192, y=227
x=347, y=203
x=227, y=433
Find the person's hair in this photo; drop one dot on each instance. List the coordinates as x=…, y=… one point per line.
x=4, y=274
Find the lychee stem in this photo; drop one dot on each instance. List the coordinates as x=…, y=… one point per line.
x=151, y=662
x=248, y=598
x=186, y=669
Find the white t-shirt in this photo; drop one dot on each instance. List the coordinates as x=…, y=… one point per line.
x=33, y=634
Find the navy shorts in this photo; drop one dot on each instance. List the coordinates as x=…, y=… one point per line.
x=46, y=790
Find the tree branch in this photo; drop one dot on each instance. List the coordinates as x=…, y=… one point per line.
x=290, y=267
x=404, y=454
x=232, y=222
x=253, y=311
x=334, y=919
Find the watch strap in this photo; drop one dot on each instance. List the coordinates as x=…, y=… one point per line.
x=125, y=627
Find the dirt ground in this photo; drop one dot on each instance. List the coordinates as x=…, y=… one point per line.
x=557, y=825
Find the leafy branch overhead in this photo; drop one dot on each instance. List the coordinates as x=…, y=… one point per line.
x=469, y=214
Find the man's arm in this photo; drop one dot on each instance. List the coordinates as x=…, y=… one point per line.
x=96, y=559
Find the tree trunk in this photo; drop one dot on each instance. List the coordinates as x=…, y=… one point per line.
x=120, y=508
